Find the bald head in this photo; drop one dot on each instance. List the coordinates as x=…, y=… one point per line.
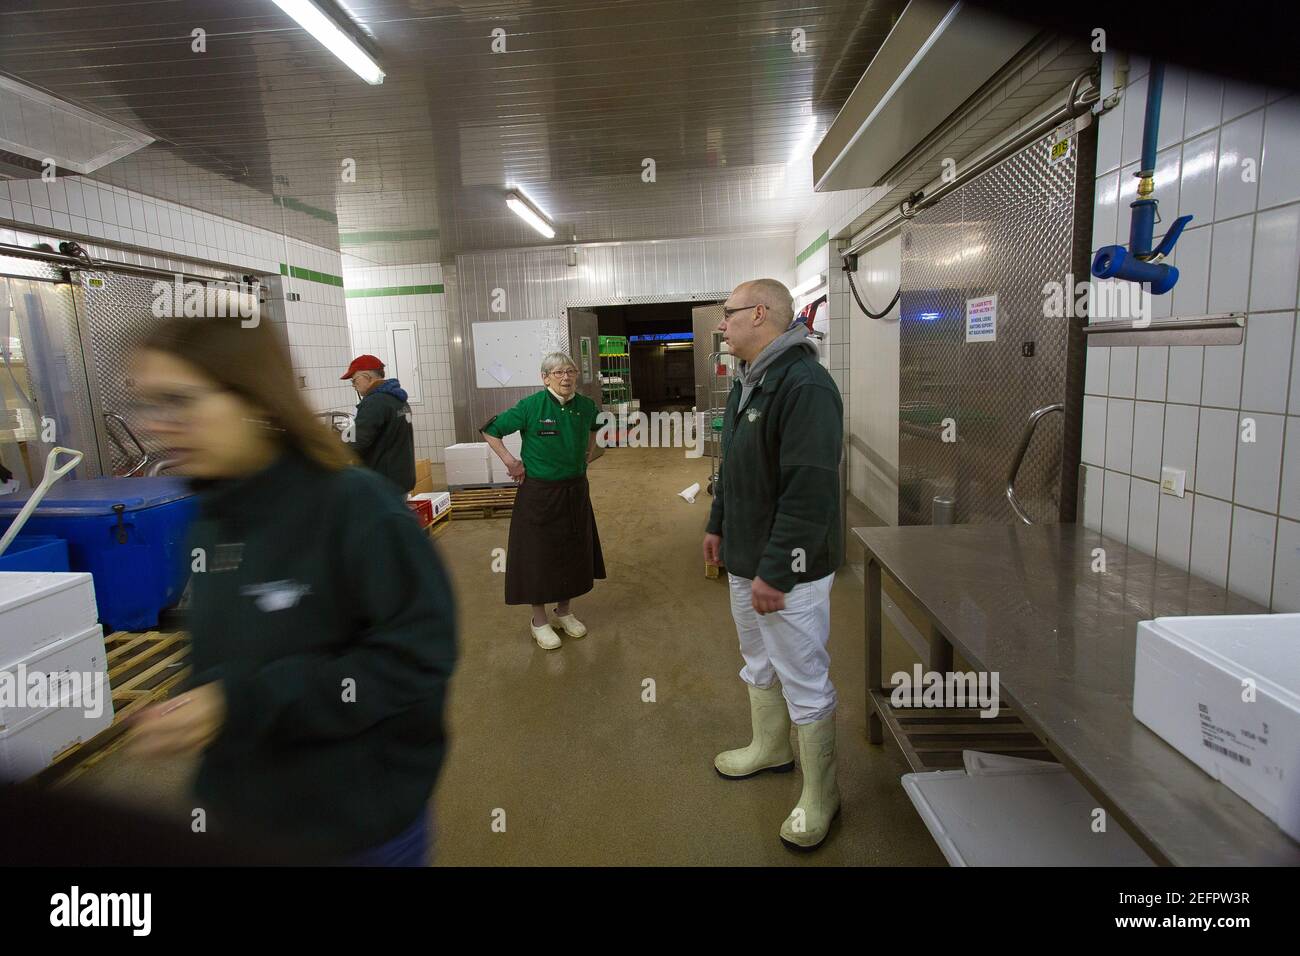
x=774, y=296
x=754, y=314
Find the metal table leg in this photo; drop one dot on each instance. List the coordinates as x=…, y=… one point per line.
x=875, y=649
x=940, y=651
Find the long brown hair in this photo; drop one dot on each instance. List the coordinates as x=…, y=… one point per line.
x=253, y=363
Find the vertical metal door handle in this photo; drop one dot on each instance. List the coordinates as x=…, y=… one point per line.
x=1035, y=417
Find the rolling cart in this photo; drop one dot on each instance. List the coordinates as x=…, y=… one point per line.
x=720, y=379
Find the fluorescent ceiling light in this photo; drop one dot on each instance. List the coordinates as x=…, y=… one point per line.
x=807, y=285
x=312, y=19
x=521, y=206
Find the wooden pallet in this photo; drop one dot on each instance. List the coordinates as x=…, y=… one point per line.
x=142, y=669
x=439, y=524
x=483, y=502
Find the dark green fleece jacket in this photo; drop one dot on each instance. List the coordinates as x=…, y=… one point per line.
x=327, y=616
x=385, y=438
x=776, y=502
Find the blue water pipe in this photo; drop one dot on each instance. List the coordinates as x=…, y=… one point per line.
x=1139, y=262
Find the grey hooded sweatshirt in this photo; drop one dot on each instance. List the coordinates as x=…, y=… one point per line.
x=751, y=373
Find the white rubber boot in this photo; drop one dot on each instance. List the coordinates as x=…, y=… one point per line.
x=770, y=749
x=570, y=625
x=545, y=637
x=819, y=804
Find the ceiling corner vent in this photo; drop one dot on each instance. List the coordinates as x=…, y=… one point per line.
x=37, y=129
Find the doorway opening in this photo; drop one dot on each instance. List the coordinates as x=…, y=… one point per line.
x=661, y=362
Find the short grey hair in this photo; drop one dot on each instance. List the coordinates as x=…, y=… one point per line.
x=557, y=360
x=775, y=296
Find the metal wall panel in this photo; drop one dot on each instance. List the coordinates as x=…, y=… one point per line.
x=1007, y=232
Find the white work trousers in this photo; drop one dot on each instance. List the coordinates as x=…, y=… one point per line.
x=789, y=644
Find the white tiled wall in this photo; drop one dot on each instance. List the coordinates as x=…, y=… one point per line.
x=367, y=319
x=166, y=235
x=1227, y=155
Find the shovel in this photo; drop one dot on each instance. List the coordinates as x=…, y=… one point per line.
x=52, y=474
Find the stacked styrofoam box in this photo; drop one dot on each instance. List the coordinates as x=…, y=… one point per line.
x=514, y=442
x=1224, y=691
x=467, y=463
x=49, y=626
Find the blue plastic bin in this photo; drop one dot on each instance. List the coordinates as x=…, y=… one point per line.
x=129, y=533
x=35, y=552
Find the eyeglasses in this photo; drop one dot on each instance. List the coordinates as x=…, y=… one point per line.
x=565, y=373
x=171, y=408
x=728, y=313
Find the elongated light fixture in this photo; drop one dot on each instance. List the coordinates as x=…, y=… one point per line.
x=331, y=36
x=807, y=285
x=522, y=207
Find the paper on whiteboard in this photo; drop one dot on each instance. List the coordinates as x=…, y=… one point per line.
x=499, y=372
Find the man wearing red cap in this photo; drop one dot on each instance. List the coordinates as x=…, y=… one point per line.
x=382, y=438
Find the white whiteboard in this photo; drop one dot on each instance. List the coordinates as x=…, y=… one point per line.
x=509, y=354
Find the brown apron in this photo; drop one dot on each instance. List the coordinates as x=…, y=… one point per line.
x=554, y=551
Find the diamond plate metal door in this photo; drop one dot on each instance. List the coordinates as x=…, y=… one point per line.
x=963, y=407
x=117, y=314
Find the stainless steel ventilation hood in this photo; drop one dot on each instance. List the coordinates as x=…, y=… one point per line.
x=936, y=57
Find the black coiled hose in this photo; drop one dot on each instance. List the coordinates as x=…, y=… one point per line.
x=863, y=306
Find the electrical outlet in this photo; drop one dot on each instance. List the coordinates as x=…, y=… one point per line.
x=1173, y=481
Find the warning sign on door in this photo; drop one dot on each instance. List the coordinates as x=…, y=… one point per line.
x=982, y=319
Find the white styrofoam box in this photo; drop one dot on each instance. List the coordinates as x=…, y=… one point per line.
x=467, y=463
x=497, y=469
x=39, y=607
x=1008, y=811
x=441, y=500
x=28, y=748
x=82, y=655
x=1190, y=677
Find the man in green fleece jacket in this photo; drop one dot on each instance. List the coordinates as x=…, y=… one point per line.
x=775, y=524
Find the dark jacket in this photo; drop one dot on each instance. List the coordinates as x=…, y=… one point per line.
x=779, y=486
x=327, y=616
x=384, y=439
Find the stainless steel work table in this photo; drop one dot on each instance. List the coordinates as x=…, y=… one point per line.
x=1026, y=603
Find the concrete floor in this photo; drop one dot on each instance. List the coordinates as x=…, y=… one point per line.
x=587, y=772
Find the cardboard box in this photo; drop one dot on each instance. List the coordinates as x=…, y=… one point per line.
x=40, y=607
x=467, y=464
x=423, y=476
x=1225, y=692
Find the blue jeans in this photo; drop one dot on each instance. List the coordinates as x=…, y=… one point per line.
x=408, y=848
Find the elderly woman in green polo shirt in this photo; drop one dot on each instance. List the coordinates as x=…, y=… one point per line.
x=554, y=553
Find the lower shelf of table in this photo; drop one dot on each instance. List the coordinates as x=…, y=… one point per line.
x=933, y=738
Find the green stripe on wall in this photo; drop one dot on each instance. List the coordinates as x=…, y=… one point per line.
x=366, y=238
x=395, y=290
x=324, y=278
x=288, y=202
x=812, y=248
